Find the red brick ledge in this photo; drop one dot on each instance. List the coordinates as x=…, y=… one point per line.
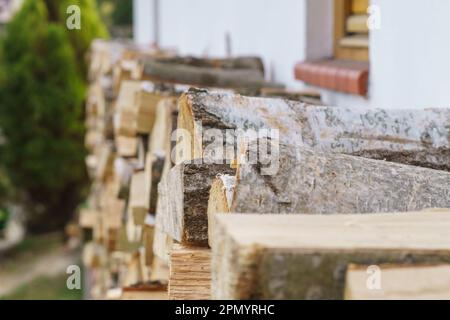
x=339, y=75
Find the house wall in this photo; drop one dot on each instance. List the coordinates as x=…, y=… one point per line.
x=254, y=27
x=409, y=54
x=144, y=21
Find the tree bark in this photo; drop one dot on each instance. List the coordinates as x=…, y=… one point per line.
x=186, y=188
x=306, y=181
x=306, y=256
x=417, y=137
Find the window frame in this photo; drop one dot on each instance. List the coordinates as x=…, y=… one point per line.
x=342, y=10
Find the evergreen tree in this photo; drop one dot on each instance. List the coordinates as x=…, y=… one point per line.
x=41, y=98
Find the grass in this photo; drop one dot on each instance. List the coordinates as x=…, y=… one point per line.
x=45, y=288
x=30, y=249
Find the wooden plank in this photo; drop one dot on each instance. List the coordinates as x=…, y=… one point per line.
x=357, y=23
x=397, y=282
x=137, y=198
x=88, y=218
x=190, y=273
x=342, y=9
x=355, y=41
x=126, y=146
x=313, y=251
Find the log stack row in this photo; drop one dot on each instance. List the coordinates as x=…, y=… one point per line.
x=238, y=189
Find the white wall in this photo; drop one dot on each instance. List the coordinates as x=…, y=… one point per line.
x=409, y=55
x=144, y=21
x=268, y=28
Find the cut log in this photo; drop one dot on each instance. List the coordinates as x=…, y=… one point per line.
x=88, y=218
x=252, y=63
x=220, y=199
x=158, y=160
x=146, y=101
x=190, y=273
x=153, y=170
x=105, y=163
x=123, y=243
x=417, y=137
x=137, y=198
x=142, y=150
x=126, y=146
x=162, y=242
x=187, y=190
x=160, y=270
x=397, y=282
x=126, y=108
x=125, y=123
x=309, y=97
x=205, y=75
x=306, y=256
x=148, y=236
x=301, y=180
x=134, y=272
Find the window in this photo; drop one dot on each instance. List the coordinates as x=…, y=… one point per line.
x=351, y=34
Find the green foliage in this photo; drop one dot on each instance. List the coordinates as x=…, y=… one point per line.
x=123, y=12
x=91, y=26
x=45, y=288
x=118, y=16
x=41, y=98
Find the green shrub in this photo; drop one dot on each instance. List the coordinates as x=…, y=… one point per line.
x=41, y=98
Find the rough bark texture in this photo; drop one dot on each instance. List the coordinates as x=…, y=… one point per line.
x=306, y=257
x=186, y=188
x=313, y=182
x=417, y=137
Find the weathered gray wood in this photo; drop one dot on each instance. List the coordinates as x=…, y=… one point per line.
x=417, y=137
x=306, y=181
x=306, y=256
x=254, y=63
x=186, y=188
x=205, y=74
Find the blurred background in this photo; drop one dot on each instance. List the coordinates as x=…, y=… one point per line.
x=400, y=62
x=43, y=177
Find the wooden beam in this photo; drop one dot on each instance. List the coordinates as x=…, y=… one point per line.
x=398, y=282
x=306, y=256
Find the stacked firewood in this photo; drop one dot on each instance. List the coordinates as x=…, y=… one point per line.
x=208, y=182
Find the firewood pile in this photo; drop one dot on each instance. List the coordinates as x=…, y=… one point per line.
x=209, y=182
